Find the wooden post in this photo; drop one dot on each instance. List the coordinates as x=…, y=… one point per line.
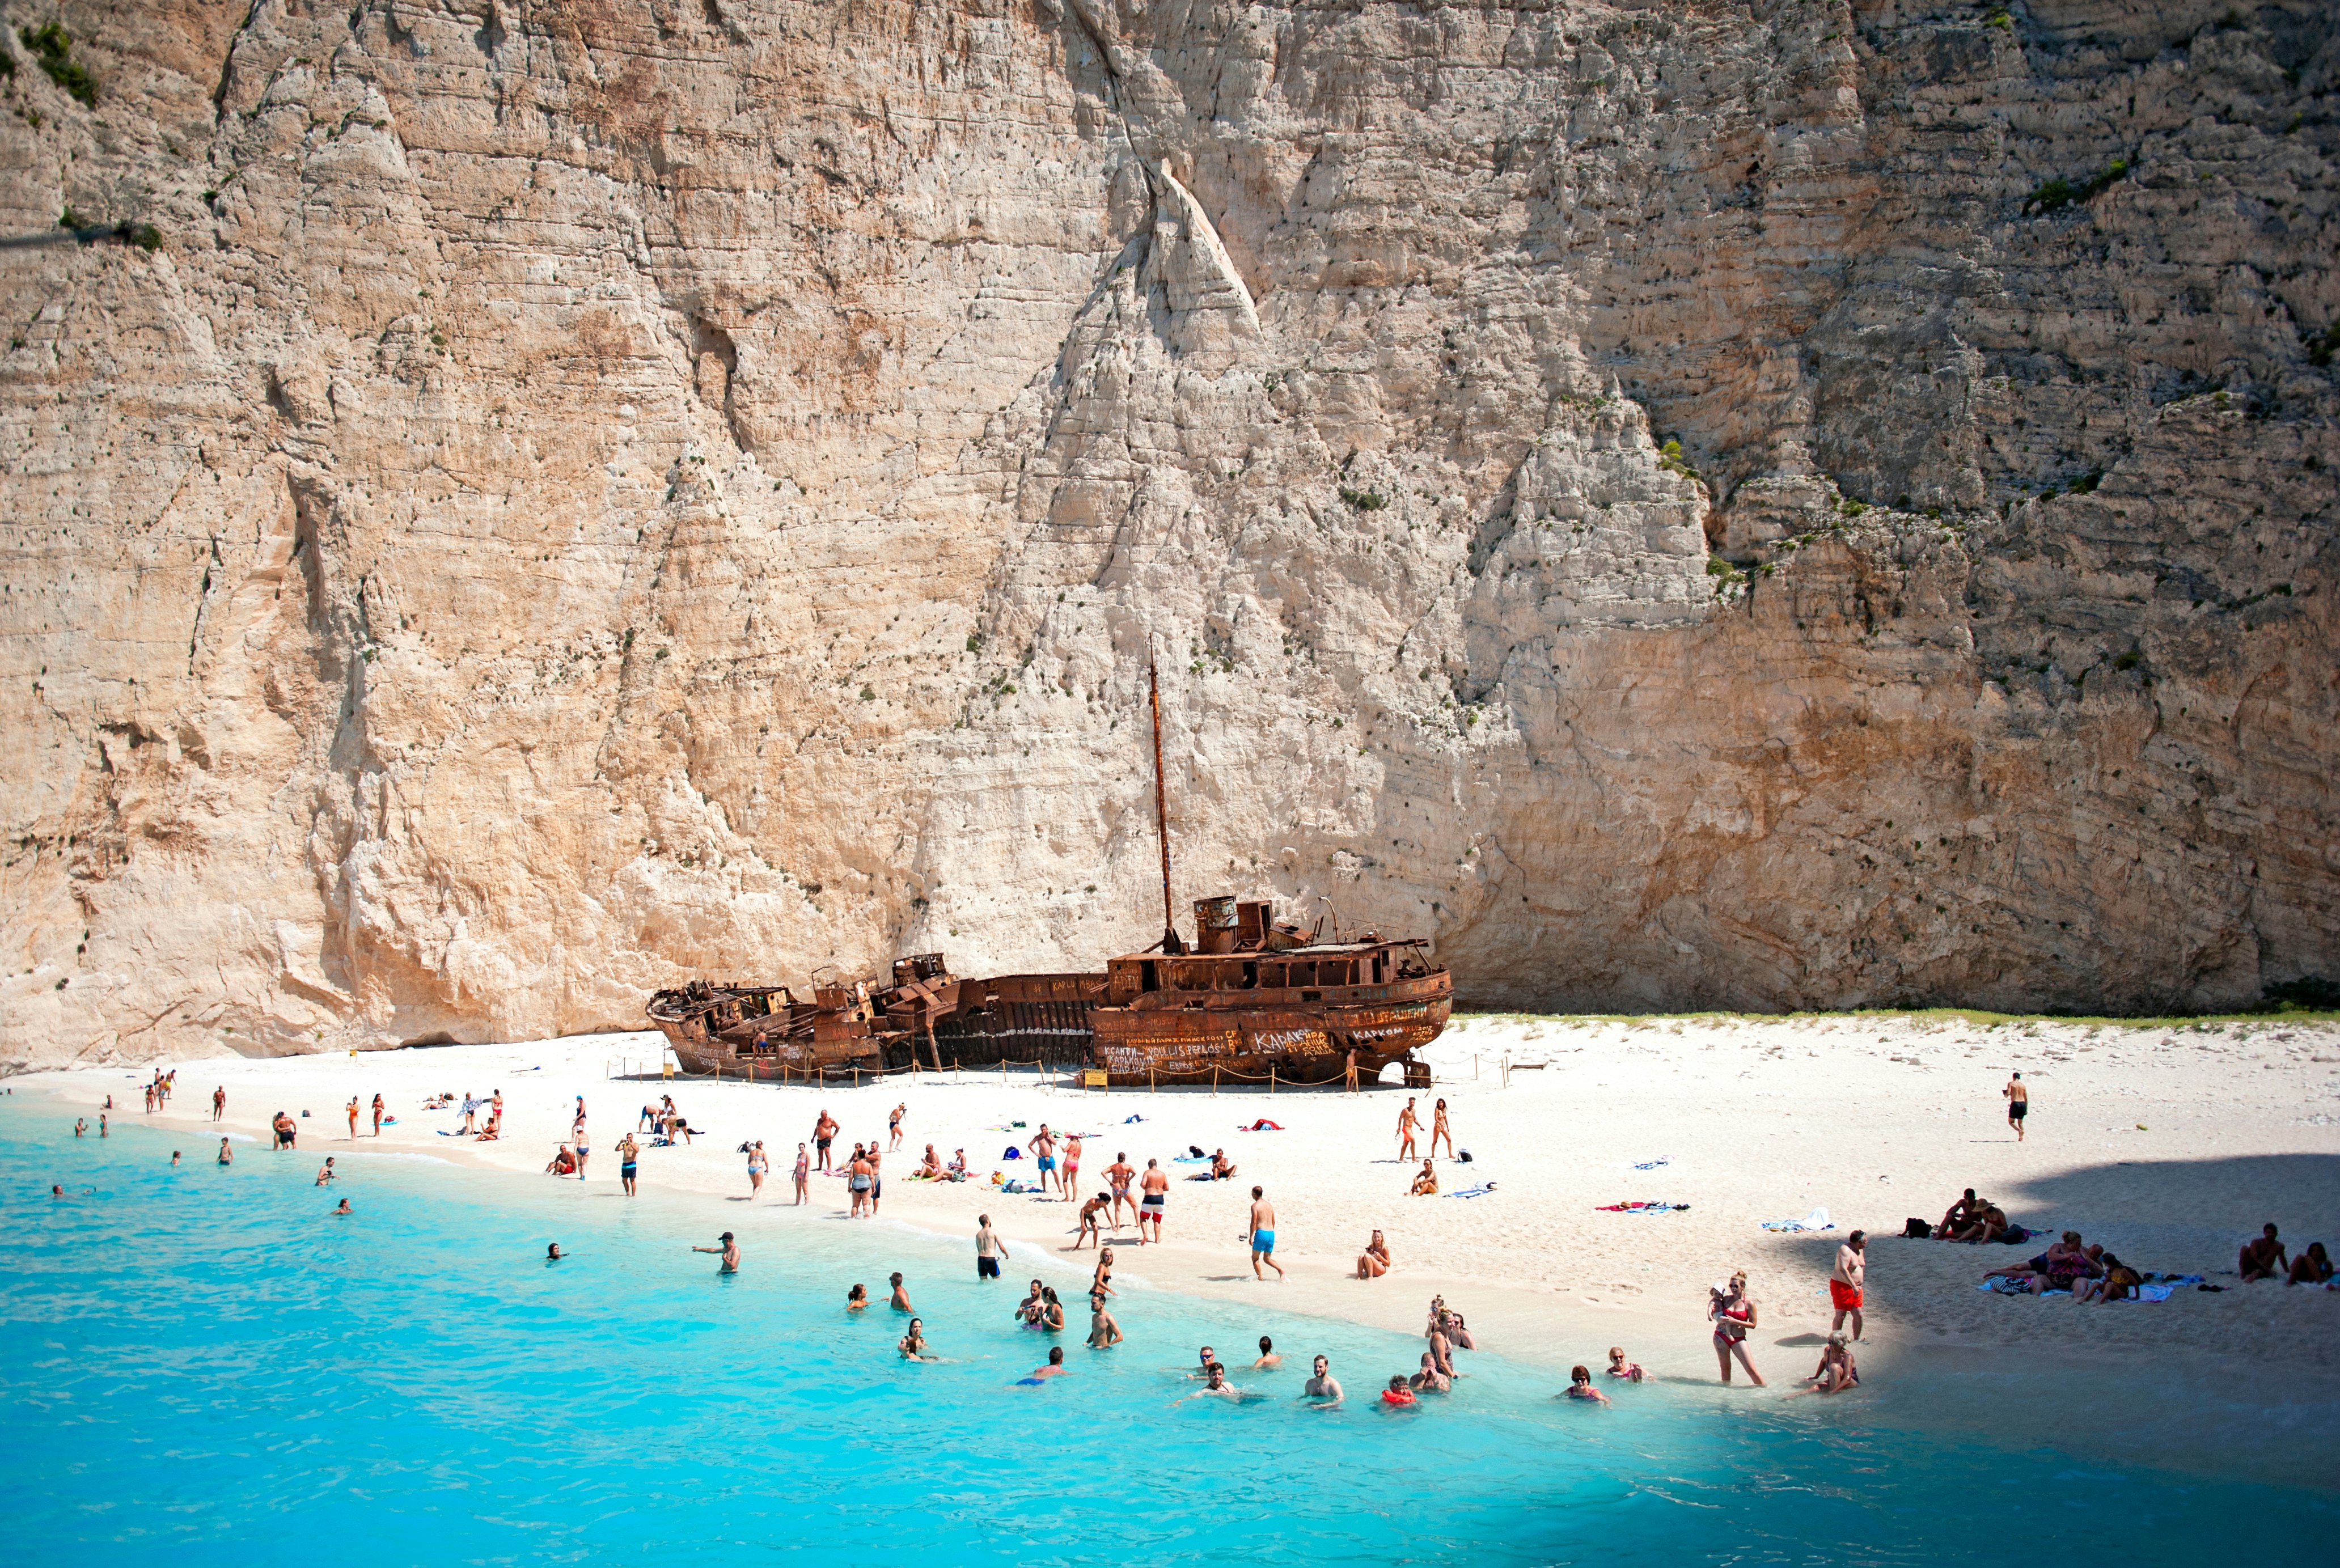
x=1150, y=1088
x=857, y=1075
x=1271, y=1078
x=1215, y=1080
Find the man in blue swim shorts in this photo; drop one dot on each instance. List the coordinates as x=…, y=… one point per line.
x=1262, y=1235
x=1045, y=1146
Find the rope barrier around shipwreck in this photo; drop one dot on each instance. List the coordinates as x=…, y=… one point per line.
x=787, y=1075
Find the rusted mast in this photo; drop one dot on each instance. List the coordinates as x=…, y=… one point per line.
x=1170, y=942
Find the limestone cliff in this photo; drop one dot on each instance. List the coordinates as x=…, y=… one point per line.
x=1755, y=504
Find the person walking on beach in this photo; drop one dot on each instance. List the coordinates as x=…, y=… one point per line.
x=218, y=1102
x=756, y=1166
x=1349, y=1076
x=988, y=1248
x=353, y=1118
x=729, y=1250
x=1071, y=1177
x=378, y=1110
x=2019, y=1103
x=1153, y=1189
x=628, y=1152
x=893, y=1125
x=804, y=1176
x=1118, y=1176
x=1089, y=1229
x=1733, y=1310
x=1846, y=1280
x=583, y=1148
x=1262, y=1235
x=824, y=1129
x=1408, y=1123
x=1439, y=1129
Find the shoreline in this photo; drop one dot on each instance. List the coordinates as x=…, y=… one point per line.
x=2171, y=1145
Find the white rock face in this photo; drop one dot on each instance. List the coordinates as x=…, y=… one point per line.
x=582, y=496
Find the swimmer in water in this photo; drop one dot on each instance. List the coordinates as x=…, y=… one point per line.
x=174, y=1159
x=1398, y=1394
x=1580, y=1386
x=913, y=1345
x=1055, y=1367
x=1209, y=1358
x=857, y=1298
x=901, y=1302
x=729, y=1250
x=1216, y=1386
x=1430, y=1380
x=1631, y=1371
x=226, y=1155
x=325, y=1172
x=1323, y=1386
x=552, y=1252
x=56, y=1189
x=343, y=1210
x=1267, y=1356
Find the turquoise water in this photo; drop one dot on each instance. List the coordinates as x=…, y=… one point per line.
x=199, y=1367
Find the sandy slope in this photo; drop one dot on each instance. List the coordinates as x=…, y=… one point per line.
x=2170, y=1144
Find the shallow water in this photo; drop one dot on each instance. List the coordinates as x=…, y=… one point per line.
x=199, y=1365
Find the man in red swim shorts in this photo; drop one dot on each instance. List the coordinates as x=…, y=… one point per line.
x=1845, y=1280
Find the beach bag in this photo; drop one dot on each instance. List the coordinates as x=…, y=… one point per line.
x=1915, y=1229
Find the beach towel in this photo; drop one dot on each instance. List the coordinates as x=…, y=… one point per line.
x=2155, y=1276
x=2156, y=1291
x=1012, y=1153
x=1481, y=1190
x=1127, y=1120
x=1190, y=1160
x=1638, y=1207
x=1262, y=1125
x=1657, y=1163
x=1816, y=1220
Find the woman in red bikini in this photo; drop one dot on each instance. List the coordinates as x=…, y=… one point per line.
x=1733, y=1312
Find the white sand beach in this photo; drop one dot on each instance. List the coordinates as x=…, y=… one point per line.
x=2171, y=1145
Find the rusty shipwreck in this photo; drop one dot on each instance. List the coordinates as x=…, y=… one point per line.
x=1251, y=998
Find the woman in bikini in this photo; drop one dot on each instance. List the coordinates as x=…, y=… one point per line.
x=1052, y=1311
x=1101, y=1283
x=1733, y=1312
x=1439, y=1129
x=1426, y=1183
x=1375, y=1261
x=804, y=1175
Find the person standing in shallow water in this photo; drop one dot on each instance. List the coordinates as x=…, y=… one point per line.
x=1733, y=1310
x=1262, y=1235
x=729, y=1251
x=1848, y=1280
x=2019, y=1103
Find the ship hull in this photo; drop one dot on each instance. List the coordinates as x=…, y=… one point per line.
x=1241, y=1038
x=790, y=1039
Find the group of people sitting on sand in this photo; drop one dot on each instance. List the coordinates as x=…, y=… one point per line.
x=1976, y=1219
x=932, y=1168
x=2088, y=1271
x=2263, y=1257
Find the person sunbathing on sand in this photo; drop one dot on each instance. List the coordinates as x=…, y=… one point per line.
x=1375, y=1261
x=2312, y=1267
x=2262, y=1258
x=931, y=1167
x=2119, y=1281
x=1960, y=1215
x=1426, y=1183
x=563, y=1163
x=1222, y=1168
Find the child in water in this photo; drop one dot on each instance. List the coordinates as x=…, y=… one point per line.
x=1397, y=1392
